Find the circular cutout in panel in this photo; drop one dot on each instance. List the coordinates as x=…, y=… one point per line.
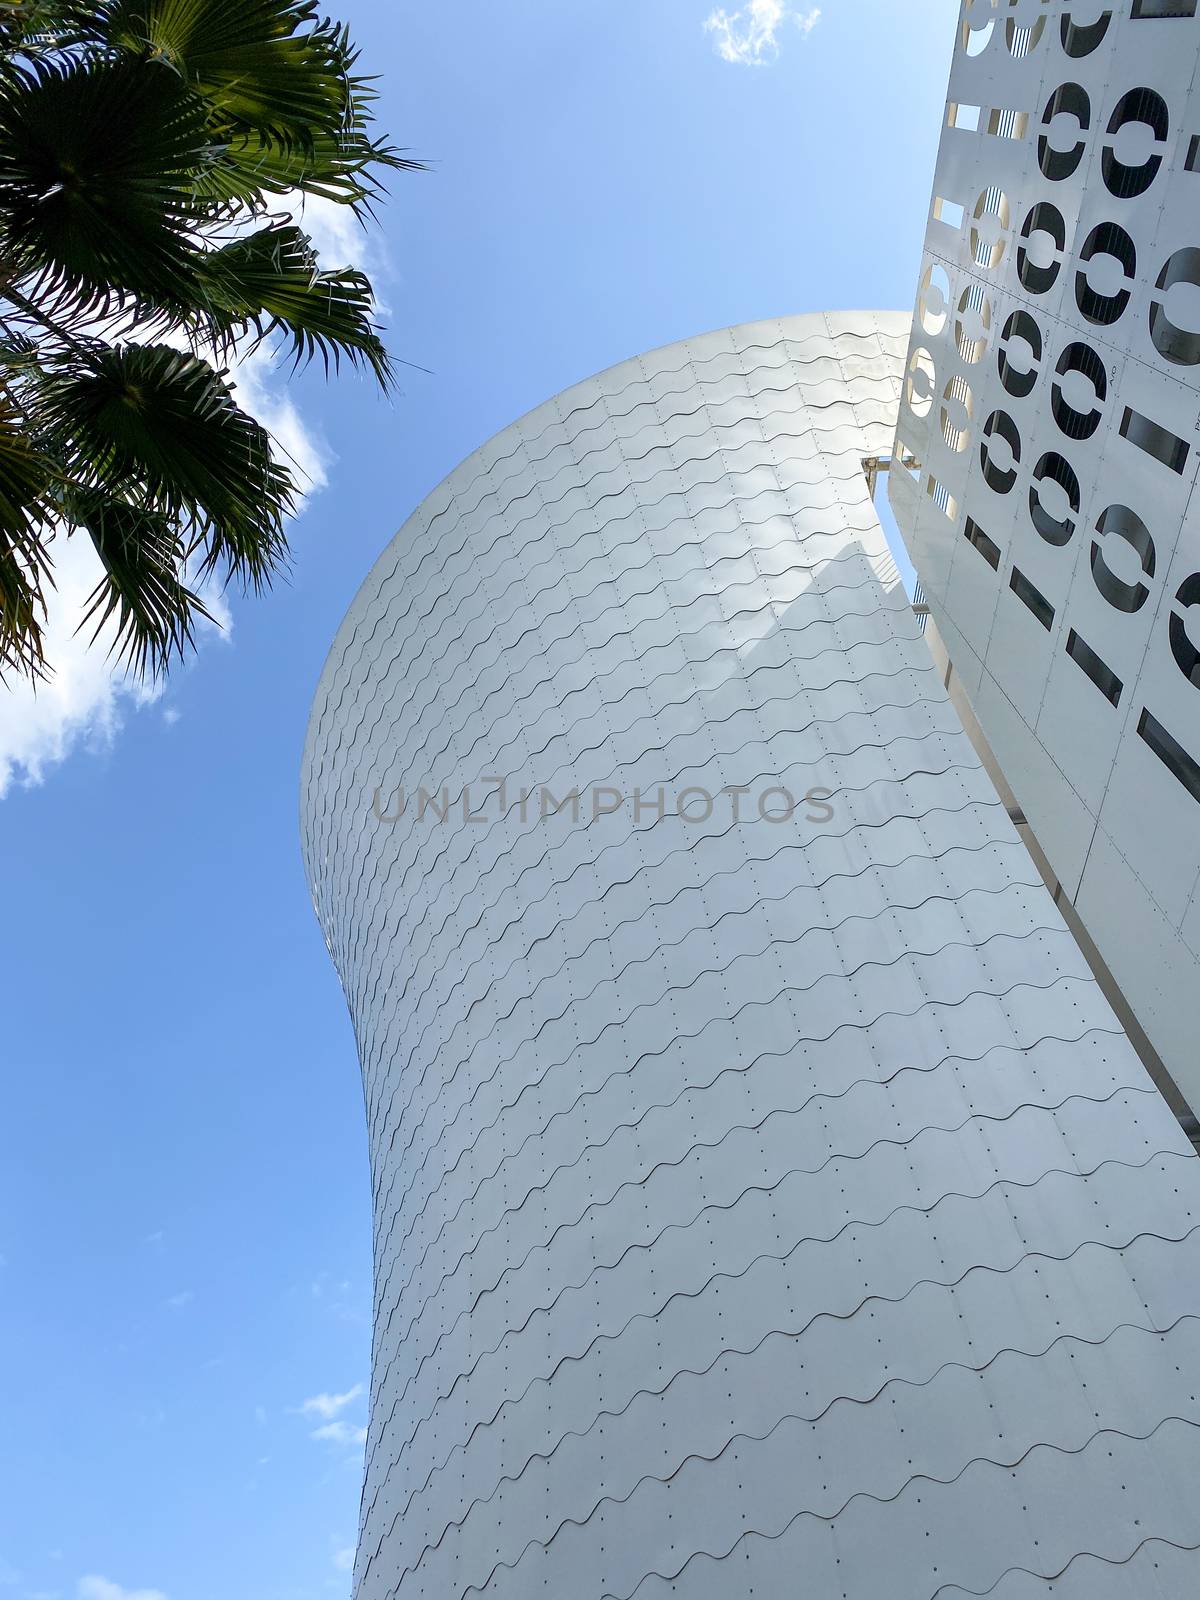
x=1054, y=469
x=1137, y=109
x=1081, y=38
x=1040, y=253
x=990, y=220
x=978, y=25
x=1078, y=370
x=1096, y=303
x=1187, y=656
x=919, y=384
x=1127, y=525
x=1060, y=159
x=973, y=324
x=1023, y=32
x=1000, y=452
x=1019, y=376
x=933, y=299
x=1180, y=346
x=957, y=413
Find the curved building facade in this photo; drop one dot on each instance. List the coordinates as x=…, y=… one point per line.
x=766, y=1200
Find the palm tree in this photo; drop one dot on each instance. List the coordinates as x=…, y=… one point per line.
x=152, y=156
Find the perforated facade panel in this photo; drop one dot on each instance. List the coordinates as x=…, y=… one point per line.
x=762, y=1207
x=1052, y=402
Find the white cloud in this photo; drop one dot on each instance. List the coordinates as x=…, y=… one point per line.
x=328, y=1405
x=750, y=36
x=341, y=1433
x=183, y=1298
x=337, y=235
x=87, y=697
x=303, y=448
x=343, y=1559
x=96, y=1588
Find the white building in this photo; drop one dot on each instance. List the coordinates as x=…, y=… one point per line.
x=762, y=1206
x=1051, y=422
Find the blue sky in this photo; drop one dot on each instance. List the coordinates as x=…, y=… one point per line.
x=184, y=1219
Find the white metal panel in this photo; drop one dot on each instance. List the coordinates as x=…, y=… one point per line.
x=1086, y=153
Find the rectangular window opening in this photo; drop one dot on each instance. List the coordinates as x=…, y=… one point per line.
x=948, y=211
x=941, y=497
x=1005, y=124
x=988, y=549
x=1146, y=10
x=1031, y=597
x=1171, y=753
x=965, y=117
x=1102, y=676
x=1154, y=439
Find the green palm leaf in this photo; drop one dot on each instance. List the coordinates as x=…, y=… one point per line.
x=142, y=593
x=270, y=282
x=97, y=170
x=25, y=477
x=161, y=428
x=138, y=139
x=248, y=58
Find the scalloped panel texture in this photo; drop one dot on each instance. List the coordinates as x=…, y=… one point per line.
x=762, y=1207
x=1052, y=401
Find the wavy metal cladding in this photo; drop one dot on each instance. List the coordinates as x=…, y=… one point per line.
x=759, y=1207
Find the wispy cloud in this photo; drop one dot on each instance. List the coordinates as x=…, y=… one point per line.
x=329, y=1405
x=97, y=1588
x=341, y=1433
x=183, y=1298
x=749, y=37
x=343, y=1559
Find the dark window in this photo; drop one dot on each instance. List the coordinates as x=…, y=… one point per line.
x=1171, y=753
x=1187, y=657
x=1031, y=597
x=1154, y=439
x=1178, y=345
x=1020, y=325
x=1079, y=358
x=1071, y=99
x=1000, y=422
x=1060, y=471
x=1102, y=676
x=1137, y=105
x=1146, y=10
x=1106, y=238
x=987, y=549
x=1127, y=525
x=1081, y=41
x=1043, y=218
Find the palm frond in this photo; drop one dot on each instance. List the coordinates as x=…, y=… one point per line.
x=25, y=478
x=270, y=65
x=270, y=282
x=344, y=167
x=97, y=182
x=142, y=595
x=138, y=140
x=160, y=428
